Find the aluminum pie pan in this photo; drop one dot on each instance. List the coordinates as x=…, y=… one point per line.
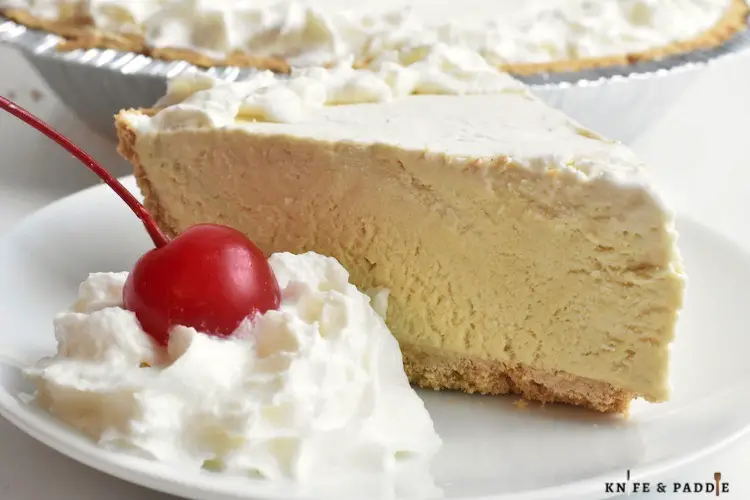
x=96, y=83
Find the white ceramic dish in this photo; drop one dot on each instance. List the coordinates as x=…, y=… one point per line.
x=619, y=102
x=493, y=450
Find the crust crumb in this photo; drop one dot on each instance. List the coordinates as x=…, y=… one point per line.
x=438, y=370
x=521, y=404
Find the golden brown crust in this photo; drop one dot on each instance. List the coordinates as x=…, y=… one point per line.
x=126, y=148
x=439, y=370
x=79, y=33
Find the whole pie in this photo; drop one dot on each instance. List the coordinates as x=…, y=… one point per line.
x=521, y=252
x=521, y=37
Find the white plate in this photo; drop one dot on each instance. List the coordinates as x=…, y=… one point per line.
x=492, y=449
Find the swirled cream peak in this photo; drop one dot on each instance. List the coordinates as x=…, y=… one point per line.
x=322, y=31
x=197, y=100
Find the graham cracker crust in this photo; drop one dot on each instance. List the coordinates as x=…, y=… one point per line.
x=80, y=33
x=126, y=149
x=441, y=370
x=433, y=369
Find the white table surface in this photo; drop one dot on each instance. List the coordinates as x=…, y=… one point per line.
x=699, y=157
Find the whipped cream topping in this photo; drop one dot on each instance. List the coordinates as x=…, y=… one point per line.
x=313, y=32
x=311, y=391
x=198, y=100
x=366, y=107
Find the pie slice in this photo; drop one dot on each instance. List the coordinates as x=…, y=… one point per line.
x=522, y=253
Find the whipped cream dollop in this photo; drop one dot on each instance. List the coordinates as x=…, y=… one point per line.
x=198, y=100
x=313, y=390
x=314, y=32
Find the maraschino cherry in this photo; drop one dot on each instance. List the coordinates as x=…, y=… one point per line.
x=210, y=277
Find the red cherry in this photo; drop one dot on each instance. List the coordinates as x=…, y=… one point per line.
x=210, y=277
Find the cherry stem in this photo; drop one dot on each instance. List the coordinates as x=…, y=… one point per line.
x=156, y=234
